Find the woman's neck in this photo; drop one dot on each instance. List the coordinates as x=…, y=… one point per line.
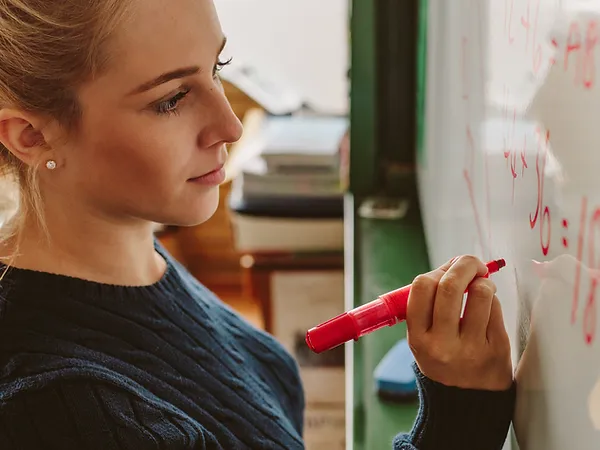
x=94, y=250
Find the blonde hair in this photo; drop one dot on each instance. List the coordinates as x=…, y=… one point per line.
x=48, y=48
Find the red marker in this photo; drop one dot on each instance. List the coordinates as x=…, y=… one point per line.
x=388, y=309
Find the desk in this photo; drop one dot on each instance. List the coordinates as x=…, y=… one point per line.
x=388, y=254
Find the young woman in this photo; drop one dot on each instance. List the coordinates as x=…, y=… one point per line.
x=112, y=118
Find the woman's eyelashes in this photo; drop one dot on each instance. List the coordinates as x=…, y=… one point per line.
x=219, y=65
x=171, y=105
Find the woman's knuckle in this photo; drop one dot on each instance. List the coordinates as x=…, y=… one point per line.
x=483, y=288
x=473, y=353
x=444, y=358
x=440, y=353
x=471, y=259
x=436, y=354
x=449, y=287
x=422, y=283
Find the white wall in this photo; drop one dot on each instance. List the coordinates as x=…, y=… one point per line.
x=303, y=44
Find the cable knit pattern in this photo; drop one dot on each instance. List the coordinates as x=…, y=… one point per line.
x=85, y=365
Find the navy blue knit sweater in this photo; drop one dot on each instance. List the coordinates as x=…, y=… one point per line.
x=89, y=366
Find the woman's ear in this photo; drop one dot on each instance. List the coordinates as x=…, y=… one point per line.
x=20, y=134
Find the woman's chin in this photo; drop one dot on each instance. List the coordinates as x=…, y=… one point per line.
x=199, y=214
x=188, y=212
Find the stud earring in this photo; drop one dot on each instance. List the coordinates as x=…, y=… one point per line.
x=51, y=164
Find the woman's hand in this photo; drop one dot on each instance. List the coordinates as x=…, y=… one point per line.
x=472, y=352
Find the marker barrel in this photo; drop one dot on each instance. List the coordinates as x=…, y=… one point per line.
x=387, y=310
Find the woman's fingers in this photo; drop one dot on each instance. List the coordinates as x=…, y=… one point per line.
x=476, y=317
x=450, y=292
x=496, y=330
x=421, y=299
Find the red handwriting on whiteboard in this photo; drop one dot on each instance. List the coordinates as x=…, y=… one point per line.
x=508, y=19
x=580, y=238
x=509, y=149
x=589, y=313
x=589, y=320
x=531, y=30
x=542, y=213
x=555, y=47
x=573, y=44
x=579, y=53
x=524, y=156
x=514, y=157
x=589, y=63
x=578, y=50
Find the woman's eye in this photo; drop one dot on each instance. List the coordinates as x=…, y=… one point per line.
x=170, y=105
x=219, y=65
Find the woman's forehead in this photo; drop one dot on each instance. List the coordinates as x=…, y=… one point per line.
x=162, y=31
x=160, y=36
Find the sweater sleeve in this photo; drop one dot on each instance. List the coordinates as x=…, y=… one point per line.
x=94, y=416
x=451, y=418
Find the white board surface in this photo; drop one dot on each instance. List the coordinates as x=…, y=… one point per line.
x=510, y=169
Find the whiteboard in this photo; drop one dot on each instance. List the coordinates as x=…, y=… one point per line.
x=509, y=168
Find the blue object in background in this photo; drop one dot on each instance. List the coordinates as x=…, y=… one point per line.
x=394, y=376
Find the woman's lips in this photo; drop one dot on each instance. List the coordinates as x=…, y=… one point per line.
x=213, y=178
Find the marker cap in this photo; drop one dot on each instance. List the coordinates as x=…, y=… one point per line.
x=332, y=333
x=356, y=323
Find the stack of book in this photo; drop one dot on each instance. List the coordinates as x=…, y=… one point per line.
x=287, y=193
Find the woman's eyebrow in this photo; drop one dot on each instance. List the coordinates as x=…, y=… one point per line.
x=173, y=75
x=166, y=77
